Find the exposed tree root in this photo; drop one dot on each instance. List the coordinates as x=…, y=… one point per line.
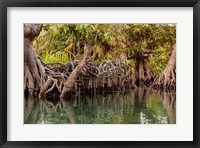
x=167, y=79
x=71, y=81
x=33, y=69
x=73, y=77
x=77, y=77
x=64, y=79
x=143, y=72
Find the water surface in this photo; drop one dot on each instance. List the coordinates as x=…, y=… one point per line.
x=139, y=106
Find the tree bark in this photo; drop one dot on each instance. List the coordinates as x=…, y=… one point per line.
x=69, y=84
x=33, y=69
x=43, y=80
x=167, y=79
x=144, y=75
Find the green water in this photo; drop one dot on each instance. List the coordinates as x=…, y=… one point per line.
x=139, y=106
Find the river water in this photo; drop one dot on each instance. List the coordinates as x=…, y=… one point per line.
x=138, y=106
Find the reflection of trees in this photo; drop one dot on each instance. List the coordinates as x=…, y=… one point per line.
x=43, y=111
x=152, y=110
x=141, y=95
x=169, y=102
x=33, y=111
x=67, y=106
x=136, y=106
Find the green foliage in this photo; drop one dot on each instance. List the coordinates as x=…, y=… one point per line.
x=57, y=57
x=157, y=38
x=65, y=42
x=150, y=36
x=159, y=59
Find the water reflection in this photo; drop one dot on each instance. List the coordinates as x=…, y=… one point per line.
x=139, y=106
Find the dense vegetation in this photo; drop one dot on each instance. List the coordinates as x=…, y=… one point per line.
x=120, y=54
x=65, y=42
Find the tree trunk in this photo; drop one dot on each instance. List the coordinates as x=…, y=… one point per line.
x=38, y=77
x=167, y=79
x=33, y=69
x=57, y=81
x=144, y=75
x=69, y=84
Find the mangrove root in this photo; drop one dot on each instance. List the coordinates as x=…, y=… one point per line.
x=167, y=79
